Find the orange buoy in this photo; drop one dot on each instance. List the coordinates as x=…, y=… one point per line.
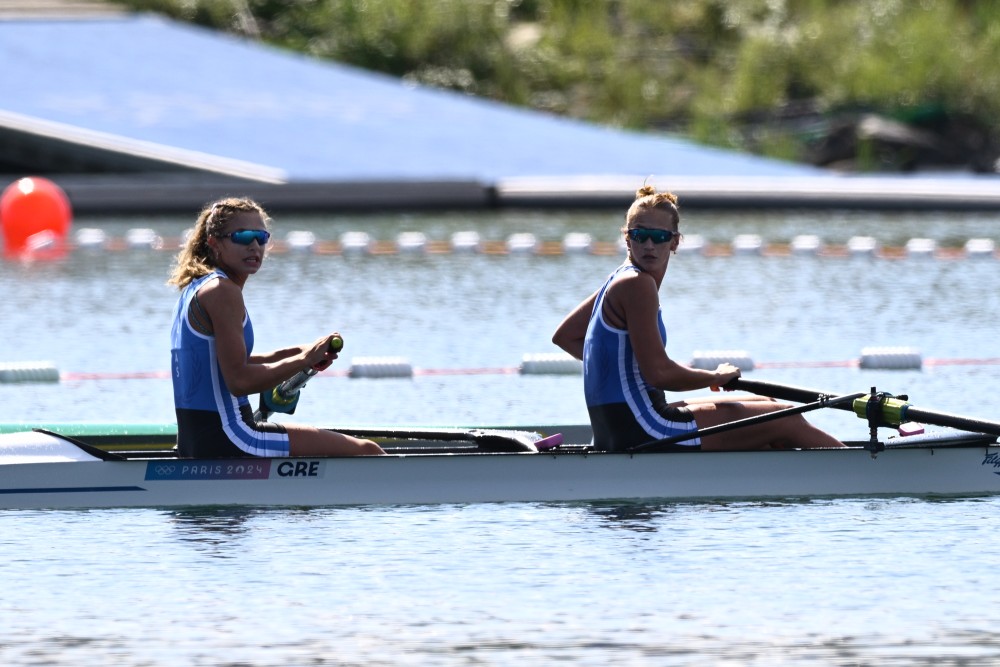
x=35, y=217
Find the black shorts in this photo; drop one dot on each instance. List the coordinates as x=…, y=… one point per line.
x=616, y=428
x=200, y=434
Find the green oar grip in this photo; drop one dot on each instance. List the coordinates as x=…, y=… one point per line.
x=336, y=343
x=891, y=411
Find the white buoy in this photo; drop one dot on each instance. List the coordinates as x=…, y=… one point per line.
x=692, y=243
x=412, y=243
x=980, y=248
x=523, y=242
x=921, y=247
x=862, y=246
x=301, y=241
x=91, y=238
x=890, y=358
x=466, y=241
x=578, y=242
x=143, y=238
x=806, y=244
x=380, y=367
x=355, y=243
x=29, y=371
x=747, y=244
x=550, y=363
x=709, y=360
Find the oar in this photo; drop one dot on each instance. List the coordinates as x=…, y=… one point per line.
x=893, y=411
x=820, y=402
x=286, y=392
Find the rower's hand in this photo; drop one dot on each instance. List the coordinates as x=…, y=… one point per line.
x=324, y=351
x=726, y=374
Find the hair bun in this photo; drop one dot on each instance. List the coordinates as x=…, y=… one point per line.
x=650, y=191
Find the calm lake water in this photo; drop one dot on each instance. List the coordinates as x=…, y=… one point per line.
x=889, y=581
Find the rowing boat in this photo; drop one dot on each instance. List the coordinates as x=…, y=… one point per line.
x=91, y=466
x=42, y=470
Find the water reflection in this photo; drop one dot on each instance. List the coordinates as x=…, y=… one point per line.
x=213, y=529
x=638, y=517
x=650, y=516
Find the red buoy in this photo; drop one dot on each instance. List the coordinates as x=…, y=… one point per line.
x=35, y=217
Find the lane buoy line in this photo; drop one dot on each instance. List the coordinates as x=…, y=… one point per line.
x=416, y=243
x=875, y=358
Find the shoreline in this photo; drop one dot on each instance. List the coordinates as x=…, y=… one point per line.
x=145, y=194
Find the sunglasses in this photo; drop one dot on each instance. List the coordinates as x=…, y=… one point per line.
x=641, y=235
x=248, y=236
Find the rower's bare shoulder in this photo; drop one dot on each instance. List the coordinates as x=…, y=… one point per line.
x=220, y=292
x=636, y=283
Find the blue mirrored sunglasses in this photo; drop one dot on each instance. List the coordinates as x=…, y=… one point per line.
x=641, y=235
x=248, y=236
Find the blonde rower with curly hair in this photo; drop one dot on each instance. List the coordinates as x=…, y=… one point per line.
x=619, y=334
x=214, y=367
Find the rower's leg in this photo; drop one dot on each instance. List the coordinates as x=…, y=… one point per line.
x=308, y=441
x=789, y=432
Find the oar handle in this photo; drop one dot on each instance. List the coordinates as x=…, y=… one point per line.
x=285, y=392
x=785, y=392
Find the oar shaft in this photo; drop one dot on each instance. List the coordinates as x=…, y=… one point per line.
x=952, y=421
x=803, y=395
x=296, y=382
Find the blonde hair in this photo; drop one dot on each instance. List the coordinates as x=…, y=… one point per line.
x=648, y=199
x=196, y=258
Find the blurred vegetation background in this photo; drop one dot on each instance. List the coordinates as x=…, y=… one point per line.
x=857, y=85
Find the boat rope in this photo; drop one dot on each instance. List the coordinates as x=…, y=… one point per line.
x=361, y=244
x=532, y=364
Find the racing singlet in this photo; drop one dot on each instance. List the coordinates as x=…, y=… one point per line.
x=625, y=410
x=211, y=421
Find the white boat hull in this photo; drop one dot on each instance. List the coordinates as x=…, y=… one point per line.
x=476, y=478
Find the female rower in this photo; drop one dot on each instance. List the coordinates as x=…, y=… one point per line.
x=619, y=334
x=213, y=365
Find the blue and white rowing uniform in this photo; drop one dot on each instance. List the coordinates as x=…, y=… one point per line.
x=211, y=421
x=625, y=410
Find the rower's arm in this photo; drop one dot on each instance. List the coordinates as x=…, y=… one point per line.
x=637, y=296
x=573, y=329
x=224, y=303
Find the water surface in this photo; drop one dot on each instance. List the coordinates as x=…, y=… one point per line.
x=888, y=581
